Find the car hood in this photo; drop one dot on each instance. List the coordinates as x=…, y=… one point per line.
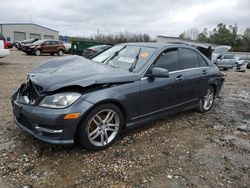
x=77, y=71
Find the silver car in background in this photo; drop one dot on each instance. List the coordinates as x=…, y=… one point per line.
x=225, y=61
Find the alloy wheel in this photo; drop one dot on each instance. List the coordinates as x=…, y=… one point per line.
x=208, y=99
x=103, y=127
x=38, y=52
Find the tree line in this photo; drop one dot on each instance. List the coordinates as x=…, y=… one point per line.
x=222, y=34
x=116, y=38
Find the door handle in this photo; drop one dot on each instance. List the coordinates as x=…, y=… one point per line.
x=204, y=72
x=179, y=78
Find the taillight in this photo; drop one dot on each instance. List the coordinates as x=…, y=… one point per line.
x=5, y=44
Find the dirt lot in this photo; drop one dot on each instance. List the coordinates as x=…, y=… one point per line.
x=184, y=150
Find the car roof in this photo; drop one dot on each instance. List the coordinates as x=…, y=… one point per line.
x=156, y=44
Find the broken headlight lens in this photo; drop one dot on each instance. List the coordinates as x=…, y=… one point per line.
x=60, y=100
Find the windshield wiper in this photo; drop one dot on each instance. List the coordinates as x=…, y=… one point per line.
x=135, y=62
x=114, y=55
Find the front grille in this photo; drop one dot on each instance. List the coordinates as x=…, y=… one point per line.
x=30, y=92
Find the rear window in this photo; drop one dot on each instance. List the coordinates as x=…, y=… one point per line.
x=188, y=58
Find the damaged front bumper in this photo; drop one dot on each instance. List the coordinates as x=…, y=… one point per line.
x=48, y=124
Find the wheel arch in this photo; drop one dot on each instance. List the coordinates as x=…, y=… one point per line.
x=107, y=101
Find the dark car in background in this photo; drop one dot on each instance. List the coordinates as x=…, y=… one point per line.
x=94, y=50
x=44, y=46
x=90, y=101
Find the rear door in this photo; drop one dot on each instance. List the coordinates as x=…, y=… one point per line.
x=194, y=71
x=54, y=46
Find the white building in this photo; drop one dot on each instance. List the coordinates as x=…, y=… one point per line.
x=21, y=31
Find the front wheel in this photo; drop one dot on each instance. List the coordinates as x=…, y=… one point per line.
x=60, y=53
x=101, y=127
x=206, y=103
x=38, y=52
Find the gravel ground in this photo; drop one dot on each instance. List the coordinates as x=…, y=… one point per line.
x=187, y=149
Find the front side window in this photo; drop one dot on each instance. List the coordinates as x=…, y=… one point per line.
x=39, y=42
x=53, y=42
x=188, y=58
x=131, y=58
x=169, y=60
x=46, y=43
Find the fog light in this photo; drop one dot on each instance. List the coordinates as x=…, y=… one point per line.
x=72, y=116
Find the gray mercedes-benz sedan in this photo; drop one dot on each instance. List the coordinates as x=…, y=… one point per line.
x=90, y=101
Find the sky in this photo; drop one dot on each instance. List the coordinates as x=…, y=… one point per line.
x=155, y=17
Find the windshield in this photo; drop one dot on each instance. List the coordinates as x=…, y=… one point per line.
x=38, y=42
x=131, y=58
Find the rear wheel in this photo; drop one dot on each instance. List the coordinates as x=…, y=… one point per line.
x=101, y=127
x=206, y=103
x=38, y=52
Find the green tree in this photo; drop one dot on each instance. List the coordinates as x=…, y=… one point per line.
x=203, y=36
x=246, y=40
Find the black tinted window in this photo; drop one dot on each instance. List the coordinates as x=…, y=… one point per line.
x=53, y=42
x=202, y=61
x=169, y=60
x=188, y=58
x=46, y=43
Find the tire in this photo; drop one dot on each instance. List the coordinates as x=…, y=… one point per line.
x=60, y=52
x=248, y=66
x=225, y=69
x=38, y=52
x=101, y=127
x=51, y=54
x=207, y=101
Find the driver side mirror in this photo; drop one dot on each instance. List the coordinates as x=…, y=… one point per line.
x=220, y=57
x=159, y=72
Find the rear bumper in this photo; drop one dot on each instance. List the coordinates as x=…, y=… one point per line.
x=4, y=52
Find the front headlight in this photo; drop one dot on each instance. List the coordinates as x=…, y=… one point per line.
x=60, y=100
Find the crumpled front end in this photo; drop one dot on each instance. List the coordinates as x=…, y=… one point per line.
x=46, y=124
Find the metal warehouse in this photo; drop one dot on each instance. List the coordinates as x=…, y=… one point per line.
x=21, y=31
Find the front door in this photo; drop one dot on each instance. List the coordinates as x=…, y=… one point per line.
x=158, y=94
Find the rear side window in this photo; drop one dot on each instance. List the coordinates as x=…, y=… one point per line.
x=169, y=60
x=202, y=61
x=188, y=58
